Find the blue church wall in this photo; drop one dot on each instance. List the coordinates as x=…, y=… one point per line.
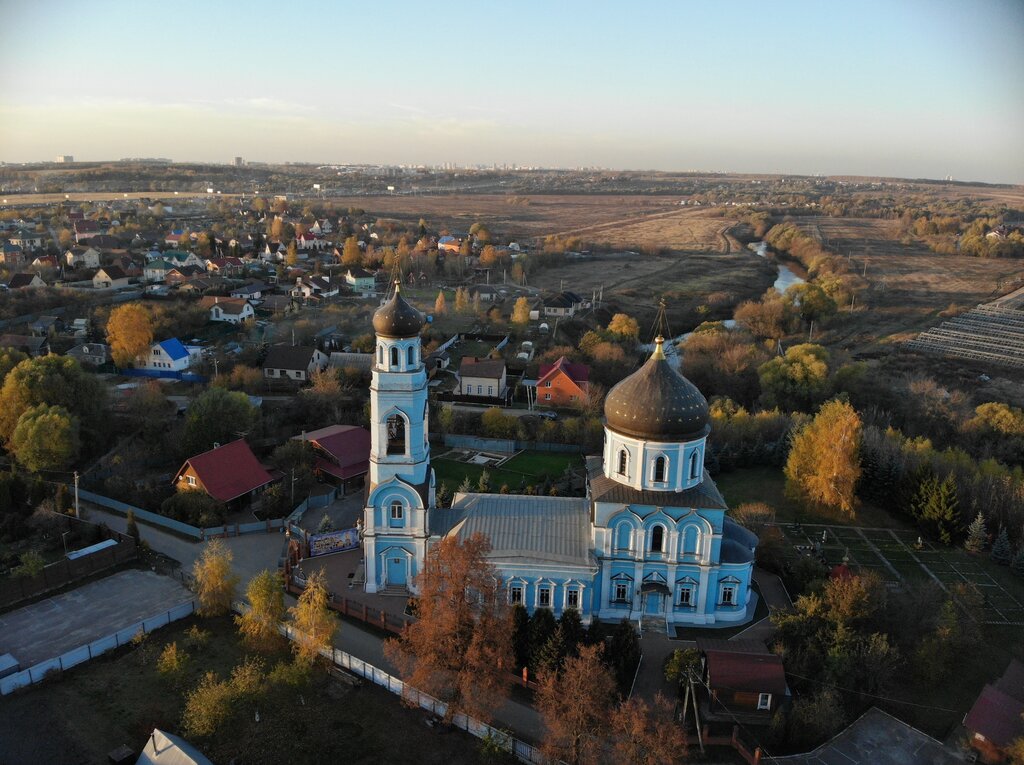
x=389, y=549
x=551, y=588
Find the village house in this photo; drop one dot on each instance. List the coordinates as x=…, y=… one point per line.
x=342, y=454
x=230, y=474
x=85, y=230
x=12, y=255
x=565, y=303
x=170, y=356
x=82, y=257
x=449, y=244
x=179, y=274
x=253, y=291
x=483, y=378
x=314, y=287
x=173, y=237
x=91, y=354
x=32, y=346
x=742, y=680
x=27, y=240
x=486, y=292
x=47, y=326
x=45, y=261
x=182, y=258
x=231, y=310
x=995, y=721
x=293, y=362
x=155, y=271
x=563, y=383
x=309, y=241
x=25, y=281
x=110, y=277
x=229, y=266
x=361, y=280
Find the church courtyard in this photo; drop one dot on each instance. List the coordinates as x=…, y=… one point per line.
x=901, y=555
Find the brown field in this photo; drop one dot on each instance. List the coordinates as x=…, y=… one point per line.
x=677, y=229
x=635, y=283
x=909, y=284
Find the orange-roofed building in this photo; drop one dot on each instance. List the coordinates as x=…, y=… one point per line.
x=230, y=474
x=563, y=383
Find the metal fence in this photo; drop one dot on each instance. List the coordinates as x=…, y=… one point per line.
x=155, y=519
x=505, y=445
x=523, y=751
x=14, y=589
x=85, y=653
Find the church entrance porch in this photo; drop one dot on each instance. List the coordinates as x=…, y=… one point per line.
x=397, y=571
x=653, y=597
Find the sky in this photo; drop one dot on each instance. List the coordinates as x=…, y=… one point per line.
x=906, y=88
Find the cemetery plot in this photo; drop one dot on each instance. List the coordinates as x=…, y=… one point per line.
x=901, y=556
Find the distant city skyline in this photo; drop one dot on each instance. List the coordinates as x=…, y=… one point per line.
x=905, y=88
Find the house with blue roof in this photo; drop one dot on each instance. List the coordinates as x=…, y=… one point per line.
x=170, y=356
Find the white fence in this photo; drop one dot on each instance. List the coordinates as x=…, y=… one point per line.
x=523, y=751
x=85, y=653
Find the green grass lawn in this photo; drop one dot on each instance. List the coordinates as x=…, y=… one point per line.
x=528, y=467
x=120, y=698
x=768, y=484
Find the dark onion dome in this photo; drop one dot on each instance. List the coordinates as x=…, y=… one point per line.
x=656, y=403
x=396, y=318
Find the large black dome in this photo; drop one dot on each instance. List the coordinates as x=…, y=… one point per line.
x=396, y=318
x=656, y=403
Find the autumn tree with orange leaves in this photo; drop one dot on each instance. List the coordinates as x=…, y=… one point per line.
x=575, y=705
x=459, y=649
x=647, y=734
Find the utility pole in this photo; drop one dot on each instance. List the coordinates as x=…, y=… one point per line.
x=76, y=495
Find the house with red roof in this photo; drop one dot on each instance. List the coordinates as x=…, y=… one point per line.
x=342, y=454
x=995, y=720
x=743, y=680
x=230, y=474
x=564, y=383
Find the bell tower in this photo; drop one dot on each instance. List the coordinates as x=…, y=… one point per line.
x=401, y=490
x=398, y=396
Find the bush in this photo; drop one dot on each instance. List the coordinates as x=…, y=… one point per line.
x=172, y=662
x=207, y=707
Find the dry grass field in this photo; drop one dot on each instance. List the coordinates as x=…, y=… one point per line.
x=909, y=284
x=677, y=229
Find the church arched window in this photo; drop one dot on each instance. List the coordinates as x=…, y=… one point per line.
x=394, y=358
x=622, y=536
x=396, y=434
x=397, y=518
x=695, y=464
x=658, y=539
x=623, y=458
x=659, y=470
x=380, y=355
x=411, y=356
x=691, y=540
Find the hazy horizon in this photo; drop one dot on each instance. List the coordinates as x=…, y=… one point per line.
x=908, y=89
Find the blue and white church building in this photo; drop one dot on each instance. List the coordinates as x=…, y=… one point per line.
x=650, y=541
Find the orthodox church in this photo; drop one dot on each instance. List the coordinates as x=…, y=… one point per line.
x=650, y=540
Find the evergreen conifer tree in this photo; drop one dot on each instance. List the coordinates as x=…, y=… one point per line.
x=1002, y=553
x=976, y=535
x=1017, y=566
x=940, y=509
x=552, y=654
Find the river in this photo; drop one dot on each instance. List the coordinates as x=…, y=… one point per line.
x=784, y=281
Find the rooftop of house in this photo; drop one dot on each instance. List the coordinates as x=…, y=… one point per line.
x=21, y=280
x=348, y=446
x=174, y=348
x=745, y=672
x=113, y=272
x=289, y=357
x=486, y=368
x=996, y=713
x=226, y=304
x=576, y=372
x=227, y=472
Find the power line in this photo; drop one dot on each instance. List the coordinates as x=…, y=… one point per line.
x=873, y=695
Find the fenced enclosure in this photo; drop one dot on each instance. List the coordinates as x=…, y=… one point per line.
x=84, y=653
x=987, y=333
